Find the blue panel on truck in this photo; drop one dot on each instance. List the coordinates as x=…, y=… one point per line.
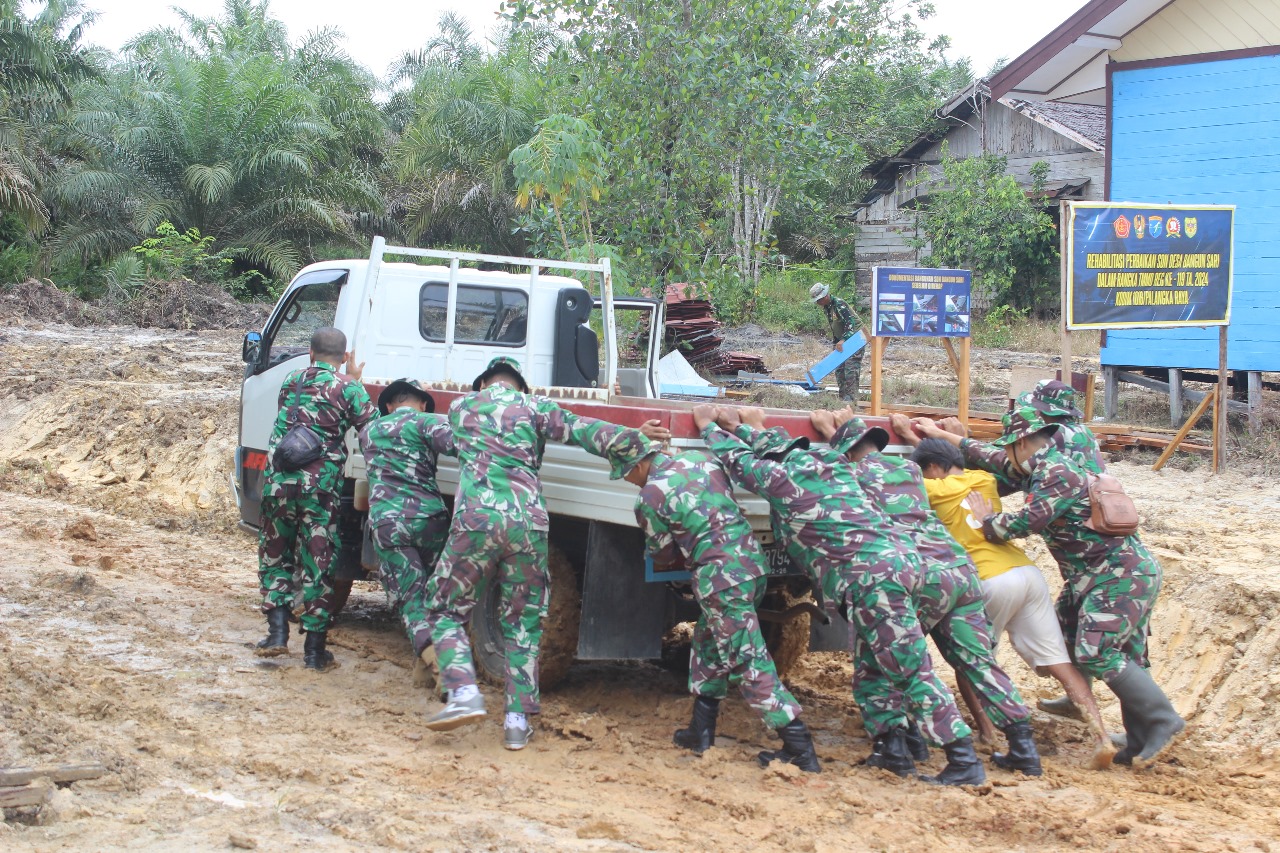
x=1206, y=133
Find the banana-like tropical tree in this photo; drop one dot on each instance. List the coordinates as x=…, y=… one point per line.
x=226, y=127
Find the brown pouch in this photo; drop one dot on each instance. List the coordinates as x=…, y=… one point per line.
x=1113, y=512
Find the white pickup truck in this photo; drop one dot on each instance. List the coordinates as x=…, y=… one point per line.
x=441, y=324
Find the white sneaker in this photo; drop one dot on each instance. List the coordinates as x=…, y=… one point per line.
x=458, y=713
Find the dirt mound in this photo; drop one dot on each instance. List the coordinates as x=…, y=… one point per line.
x=42, y=302
x=178, y=305
x=188, y=305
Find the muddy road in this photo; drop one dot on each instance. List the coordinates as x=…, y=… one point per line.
x=128, y=611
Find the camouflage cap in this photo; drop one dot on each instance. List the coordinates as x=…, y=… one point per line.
x=1056, y=399
x=777, y=441
x=501, y=364
x=401, y=387
x=1021, y=422
x=626, y=449
x=851, y=433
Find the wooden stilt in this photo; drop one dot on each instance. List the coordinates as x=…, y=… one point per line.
x=1175, y=397
x=1220, y=410
x=962, y=374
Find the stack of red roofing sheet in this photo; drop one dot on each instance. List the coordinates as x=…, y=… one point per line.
x=693, y=329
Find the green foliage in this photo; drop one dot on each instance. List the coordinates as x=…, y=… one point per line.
x=228, y=128
x=717, y=117
x=563, y=164
x=981, y=219
x=181, y=254
x=997, y=328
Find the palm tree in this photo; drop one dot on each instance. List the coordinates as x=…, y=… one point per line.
x=41, y=59
x=466, y=112
x=227, y=128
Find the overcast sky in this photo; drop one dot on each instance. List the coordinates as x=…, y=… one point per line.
x=380, y=30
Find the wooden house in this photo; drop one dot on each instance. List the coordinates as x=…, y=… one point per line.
x=1191, y=90
x=1070, y=138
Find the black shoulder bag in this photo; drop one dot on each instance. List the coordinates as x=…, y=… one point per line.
x=300, y=445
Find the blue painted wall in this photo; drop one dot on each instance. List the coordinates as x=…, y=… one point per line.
x=1206, y=133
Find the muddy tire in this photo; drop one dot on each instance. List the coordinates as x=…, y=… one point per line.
x=559, y=629
x=341, y=592
x=787, y=642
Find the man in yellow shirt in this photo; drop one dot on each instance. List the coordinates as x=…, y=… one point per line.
x=1016, y=596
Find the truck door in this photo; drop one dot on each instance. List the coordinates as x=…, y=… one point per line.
x=639, y=322
x=309, y=304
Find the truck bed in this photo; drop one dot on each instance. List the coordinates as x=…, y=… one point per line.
x=576, y=483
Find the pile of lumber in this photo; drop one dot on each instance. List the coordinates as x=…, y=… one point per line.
x=1111, y=437
x=692, y=328
x=33, y=786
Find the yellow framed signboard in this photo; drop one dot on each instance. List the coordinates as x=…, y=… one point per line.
x=1131, y=265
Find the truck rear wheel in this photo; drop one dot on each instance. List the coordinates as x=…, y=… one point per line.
x=559, y=629
x=788, y=641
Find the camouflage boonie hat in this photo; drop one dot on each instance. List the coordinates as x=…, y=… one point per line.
x=501, y=364
x=1023, y=421
x=850, y=433
x=1056, y=399
x=625, y=450
x=404, y=386
x=775, y=441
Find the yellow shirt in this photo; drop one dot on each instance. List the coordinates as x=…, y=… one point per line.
x=947, y=495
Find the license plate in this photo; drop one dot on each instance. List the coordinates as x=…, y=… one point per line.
x=775, y=556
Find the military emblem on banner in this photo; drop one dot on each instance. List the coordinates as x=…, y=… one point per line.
x=1173, y=226
x=1122, y=226
x=1140, y=226
x=1155, y=224
x=1189, y=224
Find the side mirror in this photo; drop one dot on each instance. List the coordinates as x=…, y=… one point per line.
x=252, y=344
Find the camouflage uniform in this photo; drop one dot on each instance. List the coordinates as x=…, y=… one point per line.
x=408, y=518
x=687, y=509
x=299, y=508
x=1056, y=401
x=843, y=323
x=848, y=547
x=1112, y=581
x=949, y=596
x=499, y=529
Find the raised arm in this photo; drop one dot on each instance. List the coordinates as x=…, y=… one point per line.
x=1048, y=498
x=437, y=434
x=762, y=476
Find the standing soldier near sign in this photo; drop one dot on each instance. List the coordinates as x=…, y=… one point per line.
x=843, y=323
x=299, y=507
x=407, y=516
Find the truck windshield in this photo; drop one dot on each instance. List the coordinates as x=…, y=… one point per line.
x=490, y=315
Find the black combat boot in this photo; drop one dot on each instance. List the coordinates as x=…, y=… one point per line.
x=701, y=734
x=797, y=748
x=1022, y=755
x=277, y=640
x=891, y=751
x=963, y=766
x=314, y=654
x=916, y=743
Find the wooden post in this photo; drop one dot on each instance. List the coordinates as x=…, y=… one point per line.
x=1064, y=223
x=877, y=368
x=1220, y=407
x=1110, y=391
x=1175, y=396
x=963, y=376
x=1196, y=415
x=1255, y=400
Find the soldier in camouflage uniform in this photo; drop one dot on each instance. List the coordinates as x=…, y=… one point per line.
x=499, y=535
x=299, y=508
x=408, y=518
x=1114, y=580
x=843, y=323
x=1055, y=401
x=948, y=598
x=856, y=559
x=686, y=510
